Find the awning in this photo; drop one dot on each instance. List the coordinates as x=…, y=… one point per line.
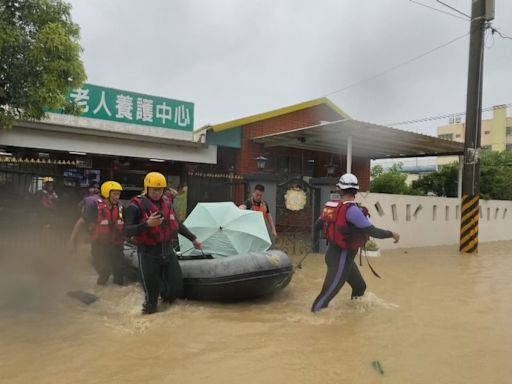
x=363, y=139
x=45, y=136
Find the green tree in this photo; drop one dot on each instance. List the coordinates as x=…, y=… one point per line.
x=393, y=181
x=39, y=58
x=442, y=183
x=496, y=175
x=376, y=171
x=495, y=178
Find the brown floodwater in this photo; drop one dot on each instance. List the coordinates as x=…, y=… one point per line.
x=434, y=317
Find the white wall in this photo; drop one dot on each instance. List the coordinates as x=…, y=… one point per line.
x=437, y=222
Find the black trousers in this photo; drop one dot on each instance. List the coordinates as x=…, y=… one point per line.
x=160, y=274
x=341, y=268
x=108, y=259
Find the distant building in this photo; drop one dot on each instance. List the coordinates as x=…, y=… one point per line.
x=416, y=173
x=496, y=133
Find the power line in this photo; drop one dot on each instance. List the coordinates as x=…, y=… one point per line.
x=438, y=10
x=454, y=9
x=489, y=33
x=500, y=34
x=439, y=117
x=390, y=69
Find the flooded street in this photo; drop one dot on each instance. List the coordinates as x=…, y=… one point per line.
x=435, y=317
x=130, y=130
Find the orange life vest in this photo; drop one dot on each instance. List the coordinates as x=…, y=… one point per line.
x=109, y=226
x=162, y=233
x=337, y=230
x=262, y=207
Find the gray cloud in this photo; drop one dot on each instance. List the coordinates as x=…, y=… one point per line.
x=234, y=58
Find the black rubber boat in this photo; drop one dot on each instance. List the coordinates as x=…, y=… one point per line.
x=232, y=278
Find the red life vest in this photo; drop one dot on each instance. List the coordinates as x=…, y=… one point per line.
x=336, y=228
x=162, y=233
x=109, y=226
x=48, y=199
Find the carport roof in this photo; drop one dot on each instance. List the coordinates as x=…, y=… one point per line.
x=368, y=140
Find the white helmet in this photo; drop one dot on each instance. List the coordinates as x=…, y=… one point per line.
x=348, y=181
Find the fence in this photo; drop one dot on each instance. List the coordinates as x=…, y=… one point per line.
x=212, y=187
x=428, y=221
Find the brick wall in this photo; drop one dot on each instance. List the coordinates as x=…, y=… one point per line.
x=245, y=162
x=290, y=121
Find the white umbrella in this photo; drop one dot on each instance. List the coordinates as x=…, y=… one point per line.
x=225, y=230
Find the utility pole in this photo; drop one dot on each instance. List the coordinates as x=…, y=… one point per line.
x=481, y=12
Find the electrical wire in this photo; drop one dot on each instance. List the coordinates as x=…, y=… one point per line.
x=489, y=35
x=439, y=117
x=438, y=10
x=394, y=67
x=500, y=34
x=454, y=9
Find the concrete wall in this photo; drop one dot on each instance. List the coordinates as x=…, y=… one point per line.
x=428, y=221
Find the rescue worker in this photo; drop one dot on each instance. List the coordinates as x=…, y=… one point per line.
x=48, y=196
x=93, y=194
x=170, y=194
x=347, y=228
x=48, y=219
x=151, y=223
x=105, y=223
x=256, y=203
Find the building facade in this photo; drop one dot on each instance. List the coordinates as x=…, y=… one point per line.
x=496, y=133
x=120, y=135
x=302, y=150
x=284, y=167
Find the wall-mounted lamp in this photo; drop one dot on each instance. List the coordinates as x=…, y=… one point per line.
x=330, y=168
x=261, y=162
x=231, y=171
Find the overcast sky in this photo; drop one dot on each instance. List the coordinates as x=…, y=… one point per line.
x=234, y=58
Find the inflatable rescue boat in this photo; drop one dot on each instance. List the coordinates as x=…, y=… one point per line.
x=232, y=278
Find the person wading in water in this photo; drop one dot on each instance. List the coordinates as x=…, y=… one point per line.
x=346, y=227
x=152, y=224
x=104, y=219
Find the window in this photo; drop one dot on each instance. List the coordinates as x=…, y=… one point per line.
x=509, y=147
x=458, y=135
x=509, y=131
x=447, y=136
x=487, y=132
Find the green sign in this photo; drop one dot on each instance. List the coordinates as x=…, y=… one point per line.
x=134, y=108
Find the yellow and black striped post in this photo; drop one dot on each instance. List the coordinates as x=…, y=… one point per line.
x=470, y=209
x=470, y=214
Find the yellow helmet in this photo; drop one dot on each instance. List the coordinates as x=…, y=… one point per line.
x=109, y=186
x=154, y=180
x=47, y=179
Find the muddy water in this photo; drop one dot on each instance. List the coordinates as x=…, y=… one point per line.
x=435, y=317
